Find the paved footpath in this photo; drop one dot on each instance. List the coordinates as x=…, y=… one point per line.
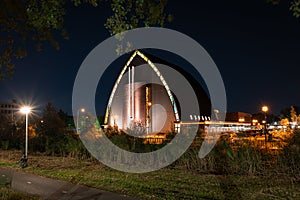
x=53, y=189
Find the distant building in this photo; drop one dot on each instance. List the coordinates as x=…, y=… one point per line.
x=238, y=117
x=9, y=109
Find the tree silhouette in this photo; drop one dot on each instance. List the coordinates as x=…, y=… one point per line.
x=294, y=6
x=38, y=21
x=51, y=130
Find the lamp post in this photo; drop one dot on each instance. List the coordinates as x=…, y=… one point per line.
x=265, y=110
x=77, y=122
x=26, y=110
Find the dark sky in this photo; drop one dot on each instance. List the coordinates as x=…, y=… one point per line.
x=256, y=47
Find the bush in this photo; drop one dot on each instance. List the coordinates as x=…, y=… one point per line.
x=290, y=156
x=245, y=160
x=5, y=144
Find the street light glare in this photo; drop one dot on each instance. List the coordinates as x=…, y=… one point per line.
x=25, y=110
x=265, y=108
x=82, y=110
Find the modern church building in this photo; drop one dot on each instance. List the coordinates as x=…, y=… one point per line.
x=149, y=94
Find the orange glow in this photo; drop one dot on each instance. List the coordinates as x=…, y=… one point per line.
x=265, y=108
x=241, y=120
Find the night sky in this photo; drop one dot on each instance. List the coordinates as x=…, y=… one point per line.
x=256, y=47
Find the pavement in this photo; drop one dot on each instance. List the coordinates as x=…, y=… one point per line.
x=50, y=189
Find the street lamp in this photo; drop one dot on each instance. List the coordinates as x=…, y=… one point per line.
x=26, y=110
x=265, y=110
x=77, y=122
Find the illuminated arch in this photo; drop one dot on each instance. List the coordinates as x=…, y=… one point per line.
x=160, y=76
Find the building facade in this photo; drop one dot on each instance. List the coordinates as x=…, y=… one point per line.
x=142, y=99
x=241, y=117
x=9, y=110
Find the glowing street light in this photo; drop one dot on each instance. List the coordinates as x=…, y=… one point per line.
x=77, y=122
x=265, y=110
x=26, y=110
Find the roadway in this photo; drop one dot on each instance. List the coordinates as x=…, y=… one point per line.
x=49, y=189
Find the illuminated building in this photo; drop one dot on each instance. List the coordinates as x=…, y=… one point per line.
x=137, y=102
x=241, y=117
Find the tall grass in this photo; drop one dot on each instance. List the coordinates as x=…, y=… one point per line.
x=289, y=158
x=8, y=194
x=245, y=160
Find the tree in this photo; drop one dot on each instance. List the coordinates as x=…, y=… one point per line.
x=51, y=130
x=22, y=21
x=293, y=115
x=294, y=6
x=5, y=132
x=38, y=21
x=129, y=14
x=68, y=120
x=285, y=122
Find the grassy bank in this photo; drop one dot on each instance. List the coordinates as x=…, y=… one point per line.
x=8, y=194
x=162, y=184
